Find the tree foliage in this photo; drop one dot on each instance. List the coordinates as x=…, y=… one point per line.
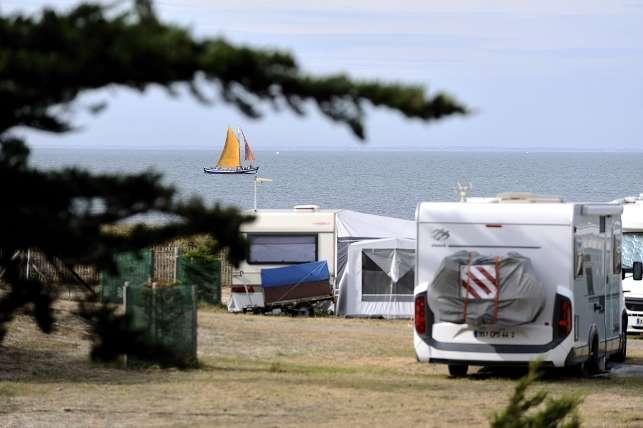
x=537, y=410
x=48, y=60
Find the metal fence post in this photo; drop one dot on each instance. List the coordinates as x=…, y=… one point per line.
x=194, y=322
x=125, y=284
x=176, y=261
x=28, y=262
x=153, y=321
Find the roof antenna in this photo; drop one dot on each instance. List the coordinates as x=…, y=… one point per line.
x=463, y=190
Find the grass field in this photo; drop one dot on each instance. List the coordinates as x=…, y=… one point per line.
x=275, y=371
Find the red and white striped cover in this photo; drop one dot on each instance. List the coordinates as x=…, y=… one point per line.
x=478, y=282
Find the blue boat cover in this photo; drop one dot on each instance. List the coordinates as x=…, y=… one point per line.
x=295, y=274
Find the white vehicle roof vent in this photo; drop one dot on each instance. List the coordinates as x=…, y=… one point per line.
x=306, y=207
x=630, y=199
x=527, y=197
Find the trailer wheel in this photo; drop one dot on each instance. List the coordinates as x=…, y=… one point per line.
x=458, y=370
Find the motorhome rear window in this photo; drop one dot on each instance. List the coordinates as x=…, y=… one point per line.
x=282, y=248
x=632, y=248
x=388, y=275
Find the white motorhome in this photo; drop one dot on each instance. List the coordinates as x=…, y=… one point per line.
x=305, y=233
x=549, y=277
x=632, y=219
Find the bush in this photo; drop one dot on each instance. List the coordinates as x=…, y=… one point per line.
x=521, y=411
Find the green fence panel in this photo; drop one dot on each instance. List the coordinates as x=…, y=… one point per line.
x=202, y=273
x=133, y=267
x=167, y=317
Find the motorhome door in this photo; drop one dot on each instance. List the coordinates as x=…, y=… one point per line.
x=613, y=238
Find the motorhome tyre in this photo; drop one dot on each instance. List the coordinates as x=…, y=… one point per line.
x=458, y=370
x=621, y=355
x=592, y=366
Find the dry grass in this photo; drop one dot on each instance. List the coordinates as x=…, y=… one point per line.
x=274, y=371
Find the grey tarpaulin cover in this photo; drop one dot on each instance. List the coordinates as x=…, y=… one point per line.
x=518, y=300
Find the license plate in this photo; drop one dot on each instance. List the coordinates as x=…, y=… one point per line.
x=638, y=321
x=494, y=334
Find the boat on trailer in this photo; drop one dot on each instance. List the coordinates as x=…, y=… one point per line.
x=230, y=158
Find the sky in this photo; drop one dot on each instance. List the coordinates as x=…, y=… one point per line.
x=539, y=75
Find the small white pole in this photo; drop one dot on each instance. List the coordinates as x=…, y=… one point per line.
x=259, y=180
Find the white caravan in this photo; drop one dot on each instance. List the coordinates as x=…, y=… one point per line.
x=305, y=233
x=278, y=238
x=632, y=219
x=515, y=278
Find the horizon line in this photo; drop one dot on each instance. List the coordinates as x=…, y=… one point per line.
x=364, y=147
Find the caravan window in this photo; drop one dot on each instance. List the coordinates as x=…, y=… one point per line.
x=282, y=248
x=388, y=274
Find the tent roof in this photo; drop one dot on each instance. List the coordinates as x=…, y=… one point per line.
x=356, y=224
x=404, y=243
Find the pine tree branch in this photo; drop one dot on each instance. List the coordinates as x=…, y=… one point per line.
x=51, y=59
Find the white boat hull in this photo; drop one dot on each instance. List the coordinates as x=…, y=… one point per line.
x=251, y=170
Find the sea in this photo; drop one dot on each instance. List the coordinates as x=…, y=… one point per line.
x=378, y=182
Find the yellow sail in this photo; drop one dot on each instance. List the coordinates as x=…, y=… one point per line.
x=230, y=155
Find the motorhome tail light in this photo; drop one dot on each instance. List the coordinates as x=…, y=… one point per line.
x=563, y=320
x=420, y=314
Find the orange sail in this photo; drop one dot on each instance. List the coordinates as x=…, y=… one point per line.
x=230, y=155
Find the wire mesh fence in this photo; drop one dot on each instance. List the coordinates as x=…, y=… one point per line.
x=164, y=263
x=167, y=319
x=163, y=267
x=132, y=268
x=205, y=275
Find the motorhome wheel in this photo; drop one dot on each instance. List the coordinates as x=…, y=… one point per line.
x=458, y=370
x=592, y=366
x=621, y=355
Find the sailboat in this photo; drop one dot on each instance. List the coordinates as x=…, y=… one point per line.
x=230, y=159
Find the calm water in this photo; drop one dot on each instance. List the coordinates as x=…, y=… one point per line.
x=389, y=183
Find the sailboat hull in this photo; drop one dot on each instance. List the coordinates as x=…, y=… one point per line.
x=251, y=170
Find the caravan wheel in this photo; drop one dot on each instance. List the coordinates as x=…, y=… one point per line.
x=458, y=370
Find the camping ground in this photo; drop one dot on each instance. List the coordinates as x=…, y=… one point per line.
x=274, y=371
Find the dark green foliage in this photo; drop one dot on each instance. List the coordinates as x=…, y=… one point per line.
x=537, y=410
x=47, y=61
x=51, y=59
